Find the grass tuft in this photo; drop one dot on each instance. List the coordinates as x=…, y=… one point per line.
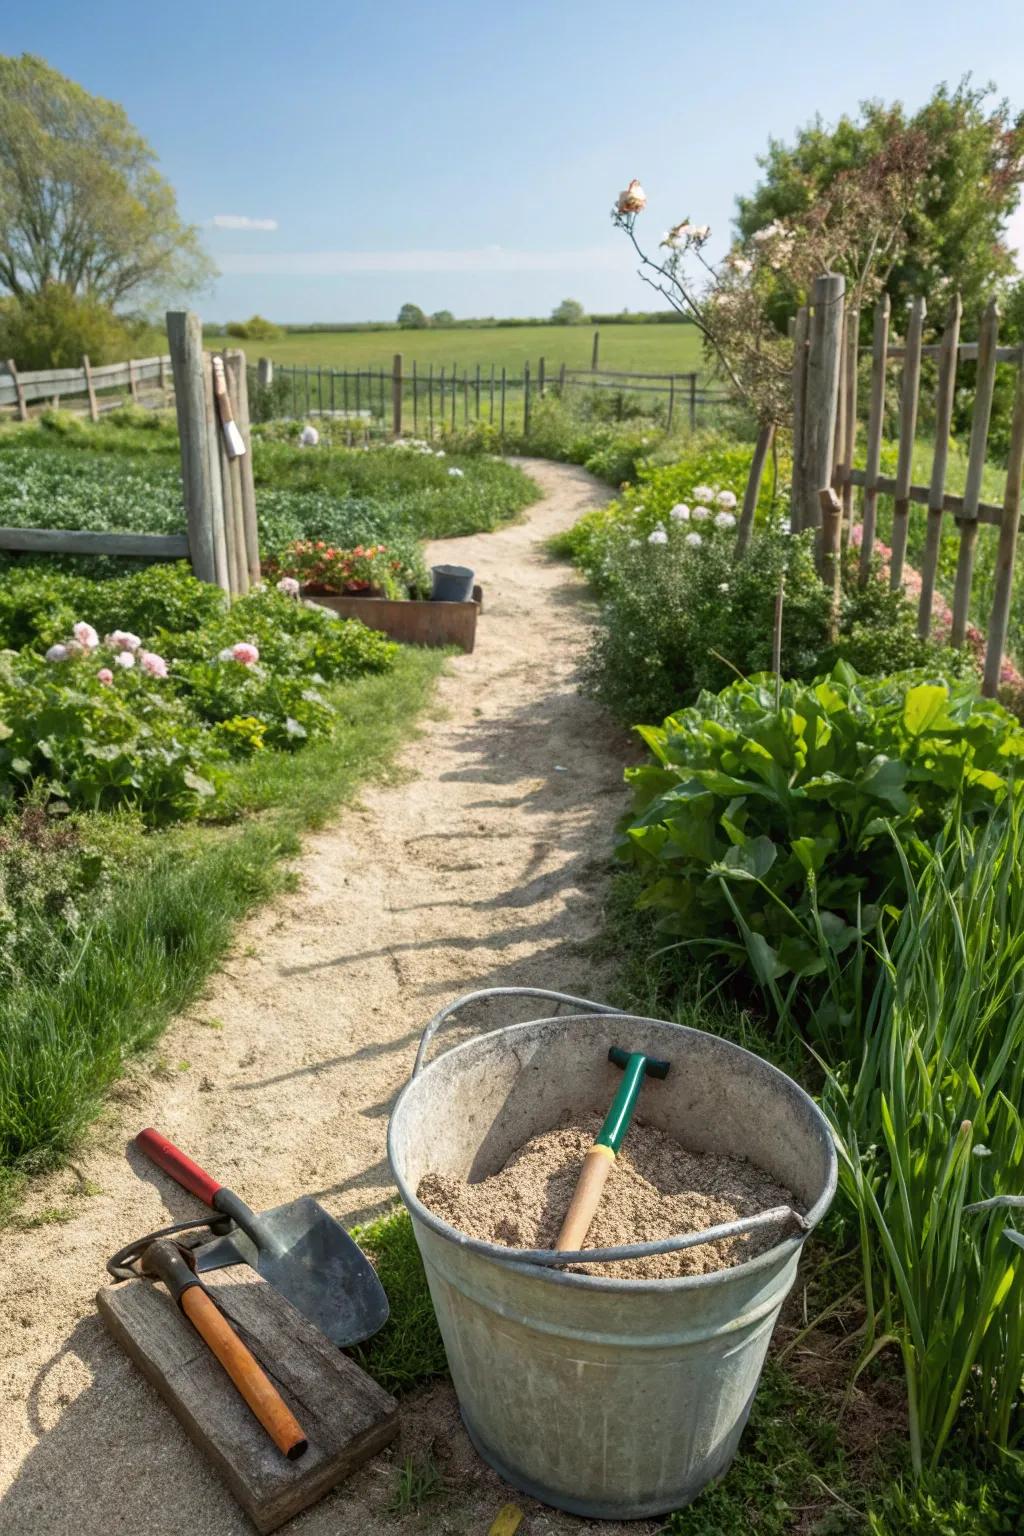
x=408, y=1351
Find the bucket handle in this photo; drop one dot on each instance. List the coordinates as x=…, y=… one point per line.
x=451, y=1009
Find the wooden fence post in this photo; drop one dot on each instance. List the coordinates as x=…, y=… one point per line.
x=830, y=561
x=526, y=399
x=999, y=617
x=222, y=554
x=396, y=395
x=986, y=378
x=595, y=351
x=800, y=330
x=133, y=383
x=822, y=392
x=238, y=385
x=671, y=401
x=265, y=372
x=869, y=515
x=753, y=487
x=231, y=492
x=693, y=402
x=18, y=390
x=910, y=394
x=540, y=378
x=185, y=340
x=851, y=344
x=94, y=410
x=163, y=378
x=944, y=400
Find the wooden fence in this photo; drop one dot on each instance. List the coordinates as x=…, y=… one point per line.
x=825, y=399
x=147, y=380
x=210, y=391
x=421, y=399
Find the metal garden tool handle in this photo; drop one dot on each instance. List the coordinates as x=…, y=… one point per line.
x=166, y=1261
x=451, y=1009
x=204, y=1186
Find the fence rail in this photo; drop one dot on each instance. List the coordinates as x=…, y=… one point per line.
x=147, y=379
x=411, y=397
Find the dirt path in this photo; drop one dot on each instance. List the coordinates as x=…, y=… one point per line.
x=484, y=866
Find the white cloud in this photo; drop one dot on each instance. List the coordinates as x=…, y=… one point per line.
x=492, y=258
x=241, y=221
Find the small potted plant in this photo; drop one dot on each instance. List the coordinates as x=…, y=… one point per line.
x=368, y=570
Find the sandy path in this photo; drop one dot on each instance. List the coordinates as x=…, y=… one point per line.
x=484, y=865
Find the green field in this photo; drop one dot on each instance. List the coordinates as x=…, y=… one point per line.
x=631, y=348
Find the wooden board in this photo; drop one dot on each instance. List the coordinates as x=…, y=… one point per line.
x=67, y=541
x=347, y=1417
x=415, y=623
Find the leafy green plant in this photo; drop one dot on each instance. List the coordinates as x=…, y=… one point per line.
x=777, y=820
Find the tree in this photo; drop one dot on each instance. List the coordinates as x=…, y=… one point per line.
x=52, y=329
x=442, y=317
x=81, y=201
x=412, y=318
x=569, y=312
x=952, y=231
x=256, y=328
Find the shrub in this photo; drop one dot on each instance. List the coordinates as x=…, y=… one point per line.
x=55, y=327
x=776, y=819
x=256, y=328
x=38, y=604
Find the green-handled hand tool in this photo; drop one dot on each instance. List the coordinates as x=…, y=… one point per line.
x=602, y=1154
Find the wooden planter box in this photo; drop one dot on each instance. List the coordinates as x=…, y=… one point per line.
x=409, y=620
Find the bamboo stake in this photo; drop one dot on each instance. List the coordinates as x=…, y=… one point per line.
x=944, y=400
x=911, y=390
x=879, y=343
x=975, y=469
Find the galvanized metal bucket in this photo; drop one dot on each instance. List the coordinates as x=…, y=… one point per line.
x=619, y=1399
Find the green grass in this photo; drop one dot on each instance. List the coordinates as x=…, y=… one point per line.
x=642, y=348
x=146, y=954
x=408, y=1350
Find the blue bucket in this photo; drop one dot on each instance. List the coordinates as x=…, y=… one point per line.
x=452, y=584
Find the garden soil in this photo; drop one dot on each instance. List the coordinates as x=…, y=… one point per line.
x=656, y=1188
x=483, y=863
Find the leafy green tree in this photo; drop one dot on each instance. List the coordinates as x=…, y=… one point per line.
x=81, y=201
x=953, y=228
x=53, y=329
x=569, y=312
x=412, y=318
x=256, y=328
x=442, y=317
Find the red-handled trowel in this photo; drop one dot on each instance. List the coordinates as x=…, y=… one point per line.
x=298, y=1248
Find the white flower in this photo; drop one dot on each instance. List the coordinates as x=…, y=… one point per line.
x=739, y=264
x=726, y=499
x=694, y=540
x=458, y=473
x=700, y=233
x=723, y=586
x=57, y=653
x=676, y=237
x=725, y=520
x=288, y=586
x=634, y=544
x=439, y=454
x=86, y=635
x=125, y=659
x=785, y=525
x=657, y=536
x=703, y=493
x=632, y=200
x=699, y=514
x=309, y=437
x=227, y=654
x=680, y=513
x=123, y=640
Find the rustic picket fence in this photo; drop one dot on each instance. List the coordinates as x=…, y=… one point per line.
x=220, y=537
x=417, y=398
x=825, y=436
x=147, y=380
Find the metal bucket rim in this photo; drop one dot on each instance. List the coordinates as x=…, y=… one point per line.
x=779, y=1252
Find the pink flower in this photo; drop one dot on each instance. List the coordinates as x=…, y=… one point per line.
x=633, y=200
x=288, y=586
x=124, y=659
x=245, y=653
x=87, y=636
x=123, y=640
x=153, y=664
x=57, y=653
x=105, y=676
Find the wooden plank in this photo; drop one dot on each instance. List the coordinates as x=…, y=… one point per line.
x=185, y=335
x=93, y=408
x=910, y=395
x=822, y=393
x=413, y=622
x=967, y=352
x=238, y=384
x=1007, y=552
x=347, y=1417
x=876, y=413
x=944, y=398
x=752, y=490
x=18, y=390
x=68, y=541
x=800, y=331
x=920, y=495
x=980, y=416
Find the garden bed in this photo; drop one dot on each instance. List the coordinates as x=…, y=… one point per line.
x=412, y=621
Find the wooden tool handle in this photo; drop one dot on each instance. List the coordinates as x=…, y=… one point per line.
x=586, y=1198
x=245, y=1371
x=181, y=1168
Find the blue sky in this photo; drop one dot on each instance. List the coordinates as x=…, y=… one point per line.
x=465, y=155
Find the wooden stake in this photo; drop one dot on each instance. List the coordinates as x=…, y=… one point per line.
x=968, y=520
x=238, y=385
x=800, y=331
x=944, y=399
x=18, y=390
x=879, y=345
x=185, y=339
x=999, y=617
x=822, y=392
x=849, y=438
x=396, y=394
x=765, y=437
x=94, y=410
x=831, y=553
x=911, y=389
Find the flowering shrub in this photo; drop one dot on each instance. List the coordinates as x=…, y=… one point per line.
x=366, y=569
